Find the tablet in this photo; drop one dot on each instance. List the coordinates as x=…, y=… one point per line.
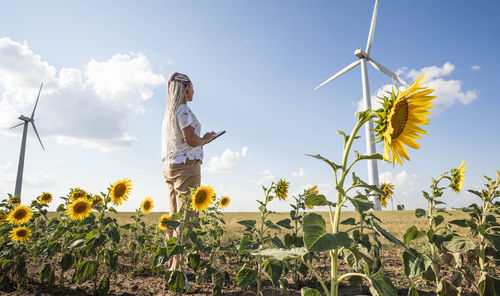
x=218, y=135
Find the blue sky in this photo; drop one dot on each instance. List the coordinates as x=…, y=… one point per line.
x=254, y=65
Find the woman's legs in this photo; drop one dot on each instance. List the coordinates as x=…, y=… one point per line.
x=183, y=177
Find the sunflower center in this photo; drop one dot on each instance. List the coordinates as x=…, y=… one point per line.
x=147, y=205
x=21, y=232
x=120, y=190
x=200, y=197
x=399, y=118
x=20, y=214
x=80, y=207
x=224, y=201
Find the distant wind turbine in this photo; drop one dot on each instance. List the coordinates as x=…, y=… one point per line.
x=363, y=57
x=19, y=180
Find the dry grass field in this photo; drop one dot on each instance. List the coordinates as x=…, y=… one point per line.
x=396, y=222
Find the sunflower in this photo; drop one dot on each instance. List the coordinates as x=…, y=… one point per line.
x=45, y=198
x=313, y=190
x=20, y=215
x=77, y=194
x=164, y=217
x=20, y=233
x=79, y=209
x=387, y=188
x=3, y=217
x=457, y=178
x=15, y=201
x=399, y=118
x=281, y=189
x=202, y=198
x=224, y=201
x=120, y=190
x=147, y=205
x=96, y=200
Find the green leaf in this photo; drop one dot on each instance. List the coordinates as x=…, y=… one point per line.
x=381, y=285
x=194, y=261
x=419, y=213
x=331, y=164
x=45, y=272
x=176, y=281
x=357, y=182
x=285, y=223
x=76, y=244
x=104, y=286
x=171, y=224
x=360, y=156
x=460, y=223
x=247, y=243
x=274, y=270
x=488, y=285
x=66, y=261
x=438, y=219
x=361, y=203
x=317, y=239
x=412, y=291
x=415, y=263
x=458, y=244
x=85, y=270
x=277, y=242
x=160, y=257
x=387, y=235
x=114, y=234
x=283, y=287
x=282, y=254
x=248, y=223
x=306, y=291
x=172, y=247
x=445, y=288
x=411, y=234
x=288, y=240
x=246, y=276
x=493, y=239
x=349, y=221
x=111, y=259
x=316, y=200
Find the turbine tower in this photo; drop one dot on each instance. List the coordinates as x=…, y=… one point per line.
x=19, y=180
x=363, y=58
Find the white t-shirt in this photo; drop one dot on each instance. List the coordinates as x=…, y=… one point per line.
x=181, y=150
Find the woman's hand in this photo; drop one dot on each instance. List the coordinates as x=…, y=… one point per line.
x=193, y=140
x=208, y=137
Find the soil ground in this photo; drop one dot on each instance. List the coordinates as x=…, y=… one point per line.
x=140, y=280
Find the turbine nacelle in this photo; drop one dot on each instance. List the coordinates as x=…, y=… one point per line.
x=24, y=118
x=360, y=53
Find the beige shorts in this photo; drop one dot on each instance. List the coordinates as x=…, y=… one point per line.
x=181, y=177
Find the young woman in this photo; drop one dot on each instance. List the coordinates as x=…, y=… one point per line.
x=182, y=147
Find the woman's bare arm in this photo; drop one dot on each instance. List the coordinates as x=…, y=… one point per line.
x=193, y=140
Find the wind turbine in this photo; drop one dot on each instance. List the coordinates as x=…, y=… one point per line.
x=363, y=57
x=20, y=167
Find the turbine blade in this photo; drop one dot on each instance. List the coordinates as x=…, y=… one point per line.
x=17, y=125
x=36, y=132
x=33, y=113
x=349, y=67
x=372, y=29
x=387, y=72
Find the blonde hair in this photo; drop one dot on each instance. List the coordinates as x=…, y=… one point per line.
x=176, y=91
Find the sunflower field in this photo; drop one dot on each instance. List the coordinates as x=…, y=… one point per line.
x=82, y=249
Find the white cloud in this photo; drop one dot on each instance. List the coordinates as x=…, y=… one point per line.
x=226, y=162
x=448, y=92
x=266, y=176
x=475, y=68
x=299, y=173
x=91, y=107
x=37, y=180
